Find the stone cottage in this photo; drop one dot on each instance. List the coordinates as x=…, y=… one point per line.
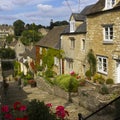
x=73, y=43
x=103, y=37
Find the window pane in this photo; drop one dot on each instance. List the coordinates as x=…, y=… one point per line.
x=104, y=65
x=100, y=64
x=111, y=33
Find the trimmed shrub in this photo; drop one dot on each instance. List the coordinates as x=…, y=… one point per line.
x=98, y=78
x=109, y=81
x=67, y=82
x=104, y=90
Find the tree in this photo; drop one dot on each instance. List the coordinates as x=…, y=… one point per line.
x=57, y=23
x=29, y=36
x=7, y=54
x=18, y=27
x=9, y=38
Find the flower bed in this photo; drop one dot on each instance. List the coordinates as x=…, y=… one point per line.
x=35, y=110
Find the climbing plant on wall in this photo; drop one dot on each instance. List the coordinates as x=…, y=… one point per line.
x=48, y=57
x=92, y=62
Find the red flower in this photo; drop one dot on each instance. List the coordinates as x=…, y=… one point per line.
x=17, y=105
x=5, y=108
x=24, y=118
x=49, y=105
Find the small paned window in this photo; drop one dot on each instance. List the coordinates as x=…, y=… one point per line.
x=102, y=64
x=108, y=33
x=72, y=43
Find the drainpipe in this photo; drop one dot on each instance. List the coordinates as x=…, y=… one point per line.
x=59, y=54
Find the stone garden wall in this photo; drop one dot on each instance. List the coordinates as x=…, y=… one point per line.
x=87, y=97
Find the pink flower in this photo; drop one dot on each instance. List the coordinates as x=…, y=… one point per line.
x=61, y=112
x=5, y=108
x=8, y=116
x=72, y=73
x=49, y=105
x=59, y=108
x=23, y=108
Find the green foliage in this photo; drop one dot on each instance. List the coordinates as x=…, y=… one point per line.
x=98, y=78
x=39, y=111
x=109, y=81
x=29, y=76
x=49, y=73
x=21, y=74
x=40, y=68
x=92, y=62
x=88, y=74
x=30, y=36
x=7, y=66
x=9, y=38
x=48, y=57
x=16, y=68
x=25, y=82
x=18, y=27
x=58, y=23
x=7, y=53
x=67, y=82
x=104, y=89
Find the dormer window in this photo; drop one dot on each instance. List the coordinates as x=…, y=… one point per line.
x=72, y=26
x=109, y=4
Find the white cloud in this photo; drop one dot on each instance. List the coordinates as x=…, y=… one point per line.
x=39, y=11
x=6, y=5
x=44, y=7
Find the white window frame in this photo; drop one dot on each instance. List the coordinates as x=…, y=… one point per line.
x=102, y=64
x=72, y=26
x=56, y=61
x=109, y=4
x=108, y=33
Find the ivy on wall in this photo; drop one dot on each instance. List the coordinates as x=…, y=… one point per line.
x=48, y=57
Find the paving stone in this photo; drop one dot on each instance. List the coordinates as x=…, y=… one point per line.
x=27, y=93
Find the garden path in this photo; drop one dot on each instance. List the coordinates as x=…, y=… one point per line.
x=27, y=93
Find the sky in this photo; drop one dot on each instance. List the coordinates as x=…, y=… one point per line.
x=40, y=11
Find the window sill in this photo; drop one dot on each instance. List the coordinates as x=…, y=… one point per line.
x=107, y=42
x=104, y=73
